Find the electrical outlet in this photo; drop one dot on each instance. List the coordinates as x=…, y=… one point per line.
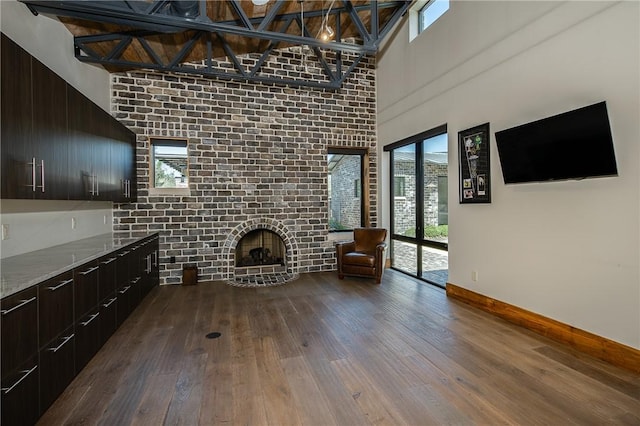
x=474, y=276
x=5, y=232
x=73, y=223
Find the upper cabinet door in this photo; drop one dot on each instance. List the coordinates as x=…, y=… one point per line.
x=16, y=133
x=50, y=135
x=123, y=163
x=82, y=182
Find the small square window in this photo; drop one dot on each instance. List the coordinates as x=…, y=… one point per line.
x=170, y=163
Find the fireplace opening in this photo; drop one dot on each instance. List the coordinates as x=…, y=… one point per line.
x=260, y=247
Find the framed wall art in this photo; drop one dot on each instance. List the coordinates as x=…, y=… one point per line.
x=473, y=165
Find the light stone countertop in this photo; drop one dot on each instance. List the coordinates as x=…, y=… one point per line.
x=20, y=272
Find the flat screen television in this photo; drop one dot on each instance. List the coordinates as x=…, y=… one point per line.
x=572, y=145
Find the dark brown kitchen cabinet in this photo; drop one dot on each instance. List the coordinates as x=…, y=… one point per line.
x=15, y=116
x=150, y=265
x=107, y=276
x=124, y=166
x=56, y=336
x=57, y=367
x=19, y=384
x=107, y=296
x=88, y=149
x=81, y=128
x=49, y=133
x=19, y=324
x=87, y=335
x=55, y=307
x=20, y=395
x=56, y=143
x=51, y=330
x=85, y=288
x=129, y=277
x=108, y=318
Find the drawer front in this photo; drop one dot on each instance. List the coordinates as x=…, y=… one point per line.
x=19, y=322
x=85, y=288
x=57, y=368
x=55, y=307
x=108, y=319
x=87, y=335
x=19, y=395
x=107, y=279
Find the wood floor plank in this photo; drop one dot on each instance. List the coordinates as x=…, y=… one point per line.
x=152, y=409
x=372, y=403
x=184, y=408
x=311, y=403
x=276, y=391
x=321, y=350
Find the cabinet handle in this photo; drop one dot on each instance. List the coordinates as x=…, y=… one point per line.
x=18, y=306
x=88, y=271
x=86, y=323
x=95, y=185
x=26, y=373
x=124, y=289
x=41, y=175
x=106, y=305
x=108, y=261
x=33, y=174
x=64, y=342
x=135, y=280
x=62, y=284
x=124, y=253
x=126, y=185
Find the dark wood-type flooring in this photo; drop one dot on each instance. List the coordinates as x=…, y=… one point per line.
x=320, y=351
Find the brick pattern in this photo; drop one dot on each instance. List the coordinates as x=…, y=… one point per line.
x=256, y=152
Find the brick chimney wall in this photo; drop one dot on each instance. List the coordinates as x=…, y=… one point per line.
x=255, y=151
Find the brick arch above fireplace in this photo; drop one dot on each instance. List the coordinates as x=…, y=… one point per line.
x=228, y=259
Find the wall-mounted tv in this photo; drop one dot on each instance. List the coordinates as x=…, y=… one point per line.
x=573, y=145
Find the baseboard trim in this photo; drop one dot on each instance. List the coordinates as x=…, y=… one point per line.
x=600, y=347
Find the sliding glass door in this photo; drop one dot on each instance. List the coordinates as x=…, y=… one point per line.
x=419, y=206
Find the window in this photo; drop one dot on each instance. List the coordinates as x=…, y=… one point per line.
x=431, y=12
x=170, y=163
x=424, y=13
x=399, y=186
x=348, y=189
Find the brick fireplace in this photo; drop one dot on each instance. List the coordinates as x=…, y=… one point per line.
x=257, y=159
x=257, y=275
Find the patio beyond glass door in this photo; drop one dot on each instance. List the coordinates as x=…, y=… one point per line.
x=419, y=206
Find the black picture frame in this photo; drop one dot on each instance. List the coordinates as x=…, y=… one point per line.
x=474, y=165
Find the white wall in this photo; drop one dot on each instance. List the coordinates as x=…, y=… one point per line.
x=48, y=40
x=34, y=224
x=566, y=250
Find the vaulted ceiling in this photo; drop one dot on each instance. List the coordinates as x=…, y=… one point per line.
x=187, y=36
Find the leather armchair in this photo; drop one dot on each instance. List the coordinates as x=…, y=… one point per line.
x=364, y=256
